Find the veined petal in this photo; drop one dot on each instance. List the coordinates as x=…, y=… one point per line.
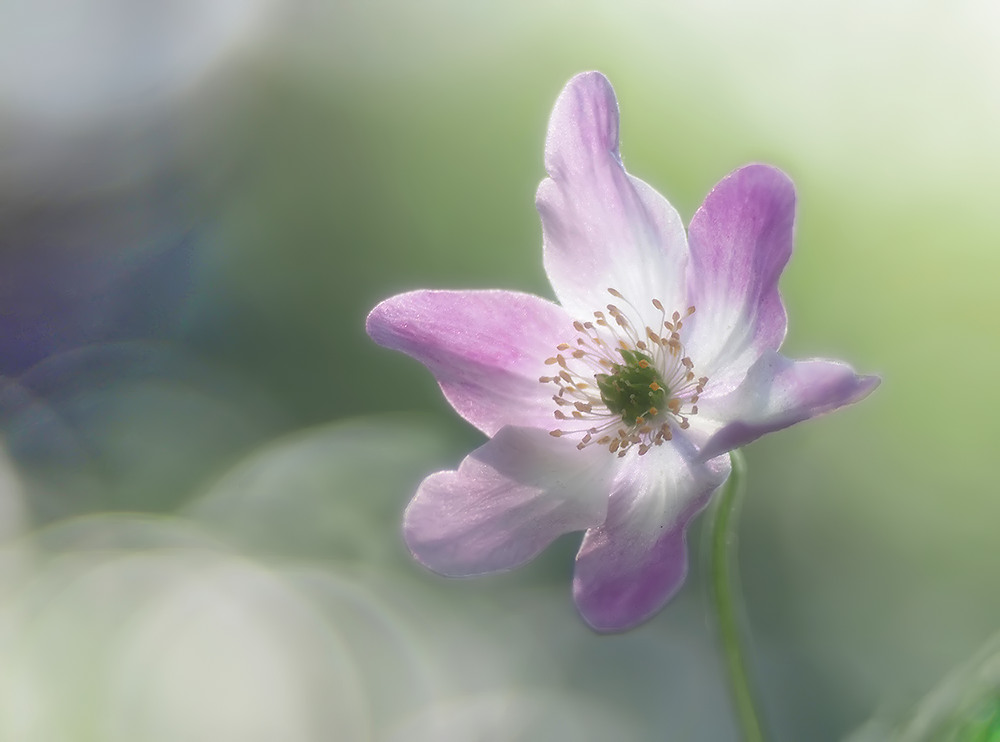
x=633, y=563
x=509, y=499
x=601, y=227
x=741, y=239
x=486, y=349
x=779, y=392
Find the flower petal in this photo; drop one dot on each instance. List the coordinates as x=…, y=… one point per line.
x=741, y=239
x=509, y=499
x=630, y=566
x=487, y=349
x=601, y=227
x=779, y=392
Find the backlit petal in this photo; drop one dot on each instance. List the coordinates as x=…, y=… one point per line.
x=601, y=227
x=779, y=392
x=507, y=501
x=485, y=348
x=741, y=239
x=633, y=563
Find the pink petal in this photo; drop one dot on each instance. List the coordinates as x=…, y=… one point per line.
x=630, y=566
x=508, y=500
x=779, y=392
x=601, y=227
x=741, y=239
x=487, y=350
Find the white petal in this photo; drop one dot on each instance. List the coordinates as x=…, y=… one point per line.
x=633, y=563
x=603, y=228
x=779, y=392
x=509, y=499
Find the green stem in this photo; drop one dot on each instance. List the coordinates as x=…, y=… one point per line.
x=726, y=596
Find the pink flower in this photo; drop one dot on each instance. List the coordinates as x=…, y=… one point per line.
x=612, y=411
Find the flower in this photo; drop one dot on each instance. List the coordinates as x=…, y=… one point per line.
x=612, y=411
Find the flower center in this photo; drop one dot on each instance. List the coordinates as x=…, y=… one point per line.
x=634, y=388
x=622, y=387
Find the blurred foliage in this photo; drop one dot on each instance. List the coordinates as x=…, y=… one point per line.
x=964, y=707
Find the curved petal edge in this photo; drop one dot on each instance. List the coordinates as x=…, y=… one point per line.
x=779, y=392
x=632, y=564
x=507, y=501
x=485, y=348
x=740, y=241
x=601, y=227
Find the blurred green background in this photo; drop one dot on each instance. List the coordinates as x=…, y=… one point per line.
x=207, y=459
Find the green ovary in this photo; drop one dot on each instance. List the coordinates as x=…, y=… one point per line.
x=634, y=389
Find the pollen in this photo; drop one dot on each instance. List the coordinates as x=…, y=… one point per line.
x=627, y=384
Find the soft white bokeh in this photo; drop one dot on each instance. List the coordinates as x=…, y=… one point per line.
x=126, y=627
x=89, y=89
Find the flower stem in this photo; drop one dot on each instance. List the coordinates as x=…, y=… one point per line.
x=726, y=597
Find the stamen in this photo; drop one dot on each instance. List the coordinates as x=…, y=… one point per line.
x=624, y=382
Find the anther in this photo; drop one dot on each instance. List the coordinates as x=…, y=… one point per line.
x=628, y=365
